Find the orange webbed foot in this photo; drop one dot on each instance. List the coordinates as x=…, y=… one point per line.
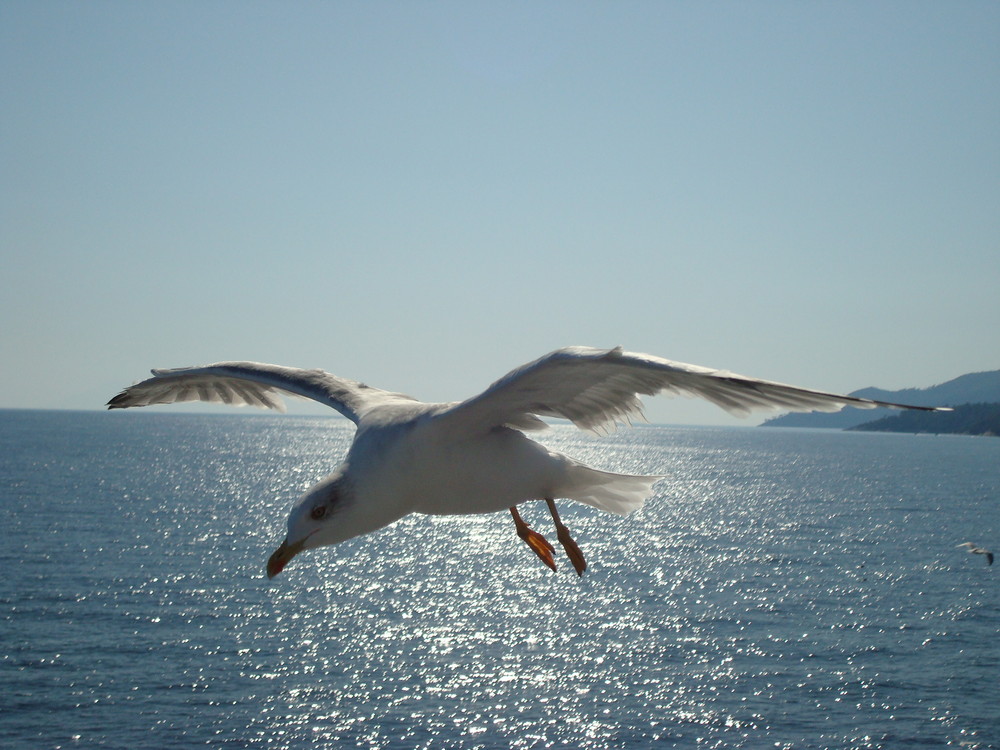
x=573, y=551
x=538, y=543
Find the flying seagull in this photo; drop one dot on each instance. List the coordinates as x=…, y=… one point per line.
x=473, y=456
x=975, y=549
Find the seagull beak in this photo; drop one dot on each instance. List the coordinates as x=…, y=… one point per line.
x=282, y=556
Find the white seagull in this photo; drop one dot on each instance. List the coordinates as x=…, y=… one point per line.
x=472, y=456
x=975, y=549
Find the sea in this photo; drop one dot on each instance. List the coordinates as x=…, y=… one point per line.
x=784, y=588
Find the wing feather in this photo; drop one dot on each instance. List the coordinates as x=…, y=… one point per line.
x=596, y=388
x=254, y=384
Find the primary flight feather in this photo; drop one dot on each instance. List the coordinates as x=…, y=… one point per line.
x=472, y=456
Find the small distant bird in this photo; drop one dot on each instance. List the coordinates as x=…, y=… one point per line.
x=976, y=550
x=472, y=456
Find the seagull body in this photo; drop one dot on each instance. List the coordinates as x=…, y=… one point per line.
x=975, y=549
x=472, y=456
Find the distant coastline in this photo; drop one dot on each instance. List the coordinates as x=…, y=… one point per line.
x=967, y=419
x=974, y=398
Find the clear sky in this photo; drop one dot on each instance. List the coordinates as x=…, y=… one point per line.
x=423, y=195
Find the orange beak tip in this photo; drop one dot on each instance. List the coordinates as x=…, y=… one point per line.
x=277, y=561
x=282, y=556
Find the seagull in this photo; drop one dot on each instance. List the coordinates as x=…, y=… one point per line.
x=473, y=456
x=975, y=549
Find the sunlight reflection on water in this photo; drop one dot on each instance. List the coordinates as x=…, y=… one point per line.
x=780, y=589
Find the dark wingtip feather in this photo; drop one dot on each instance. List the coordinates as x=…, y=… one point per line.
x=119, y=401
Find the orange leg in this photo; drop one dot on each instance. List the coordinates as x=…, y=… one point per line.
x=571, y=547
x=536, y=541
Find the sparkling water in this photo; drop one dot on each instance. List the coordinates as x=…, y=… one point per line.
x=783, y=589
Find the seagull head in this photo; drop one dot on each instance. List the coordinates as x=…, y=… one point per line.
x=320, y=517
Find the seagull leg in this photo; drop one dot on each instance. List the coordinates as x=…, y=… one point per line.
x=572, y=548
x=538, y=543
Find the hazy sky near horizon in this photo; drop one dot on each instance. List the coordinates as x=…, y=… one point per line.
x=425, y=195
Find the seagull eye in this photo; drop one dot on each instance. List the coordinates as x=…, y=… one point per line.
x=318, y=512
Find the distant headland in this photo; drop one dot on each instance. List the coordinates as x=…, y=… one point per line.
x=975, y=398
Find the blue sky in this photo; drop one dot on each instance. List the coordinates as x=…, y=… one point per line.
x=425, y=195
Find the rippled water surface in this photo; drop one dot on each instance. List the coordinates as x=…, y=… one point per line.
x=788, y=589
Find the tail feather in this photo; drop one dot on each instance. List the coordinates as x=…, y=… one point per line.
x=614, y=493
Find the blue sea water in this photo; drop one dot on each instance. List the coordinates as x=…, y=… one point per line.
x=783, y=589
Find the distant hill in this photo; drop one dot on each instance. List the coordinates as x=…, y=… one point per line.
x=966, y=419
x=973, y=388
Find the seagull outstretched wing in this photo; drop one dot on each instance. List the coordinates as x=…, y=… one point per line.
x=595, y=388
x=254, y=384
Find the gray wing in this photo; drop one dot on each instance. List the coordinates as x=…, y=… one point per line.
x=254, y=384
x=595, y=388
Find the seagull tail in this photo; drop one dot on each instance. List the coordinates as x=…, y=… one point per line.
x=614, y=493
